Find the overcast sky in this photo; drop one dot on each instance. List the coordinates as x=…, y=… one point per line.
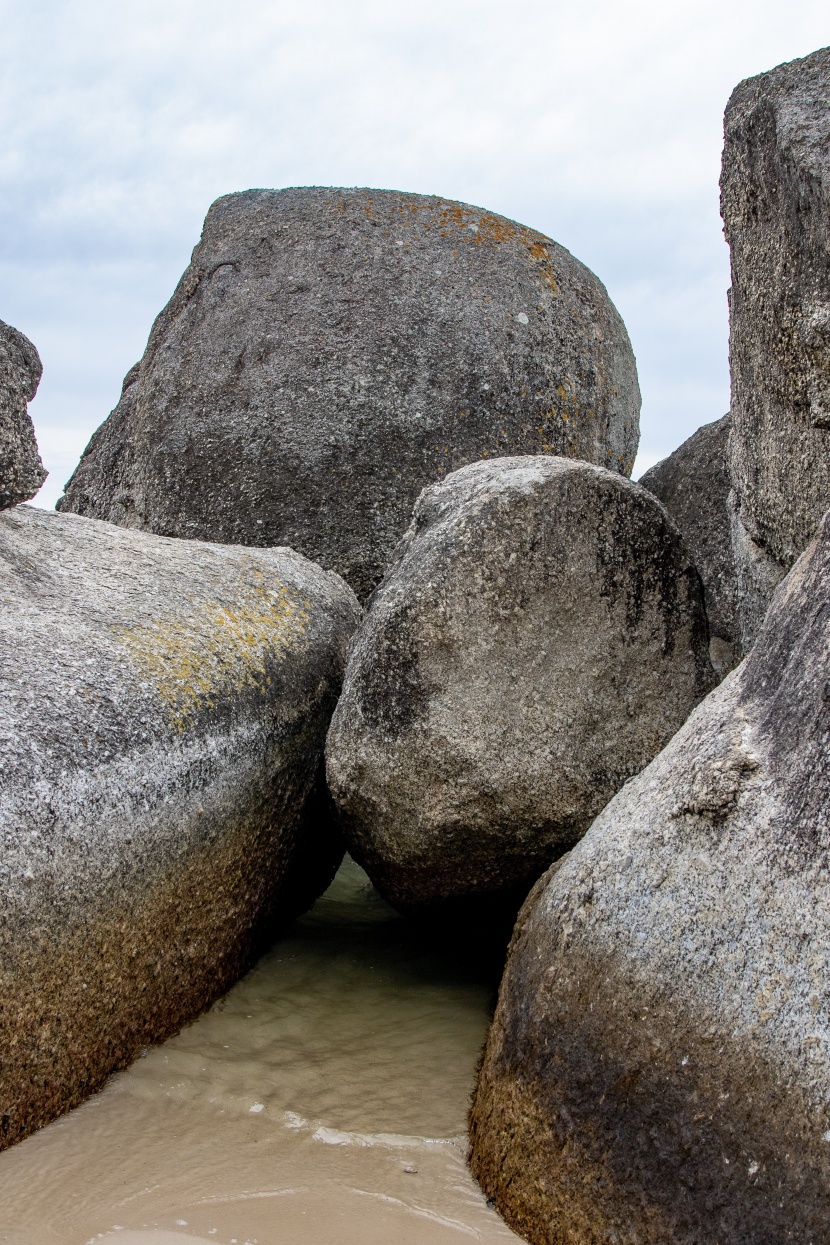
x=598, y=123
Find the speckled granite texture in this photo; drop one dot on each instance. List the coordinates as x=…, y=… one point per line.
x=659, y=1065
x=21, y=471
x=775, y=200
x=163, y=706
x=329, y=352
x=539, y=638
x=693, y=484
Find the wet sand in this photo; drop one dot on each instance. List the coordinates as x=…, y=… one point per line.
x=321, y=1102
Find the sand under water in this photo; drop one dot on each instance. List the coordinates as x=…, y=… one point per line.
x=322, y=1101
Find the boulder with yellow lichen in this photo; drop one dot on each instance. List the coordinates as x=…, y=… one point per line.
x=163, y=710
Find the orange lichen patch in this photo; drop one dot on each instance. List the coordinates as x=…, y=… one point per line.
x=540, y=253
x=477, y=227
x=211, y=649
x=489, y=226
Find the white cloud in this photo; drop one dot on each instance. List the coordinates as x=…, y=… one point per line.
x=599, y=123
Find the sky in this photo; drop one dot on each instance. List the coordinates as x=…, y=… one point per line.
x=598, y=123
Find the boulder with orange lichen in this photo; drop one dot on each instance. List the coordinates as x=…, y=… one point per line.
x=330, y=352
x=163, y=706
x=540, y=636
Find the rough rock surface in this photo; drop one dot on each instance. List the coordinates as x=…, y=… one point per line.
x=21, y=471
x=539, y=638
x=162, y=716
x=330, y=352
x=659, y=1065
x=693, y=484
x=775, y=201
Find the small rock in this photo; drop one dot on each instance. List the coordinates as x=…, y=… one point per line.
x=21, y=471
x=693, y=484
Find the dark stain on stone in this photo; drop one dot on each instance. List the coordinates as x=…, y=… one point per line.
x=615, y=1130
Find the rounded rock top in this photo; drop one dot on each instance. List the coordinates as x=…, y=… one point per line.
x=329, y=352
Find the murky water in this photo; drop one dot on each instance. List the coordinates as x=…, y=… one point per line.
x=321, y=1102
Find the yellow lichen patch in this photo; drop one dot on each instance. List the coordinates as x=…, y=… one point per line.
x=215, y=649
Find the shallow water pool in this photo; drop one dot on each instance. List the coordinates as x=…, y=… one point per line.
x=323, y=1100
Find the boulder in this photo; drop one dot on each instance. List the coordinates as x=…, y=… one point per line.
x=658, y=1069
x=21, y=471
x=775, y=201
x=329, y=352
x=693, y=484
x=540, y=636
x=163, y=710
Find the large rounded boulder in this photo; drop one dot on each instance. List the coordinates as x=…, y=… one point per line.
x=659, y=1064
x=775, y=201
x=163, y=708
x=330, y=352
x=539, y=638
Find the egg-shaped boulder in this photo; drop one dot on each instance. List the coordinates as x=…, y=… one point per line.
x=330, y=352
x=539, y=638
